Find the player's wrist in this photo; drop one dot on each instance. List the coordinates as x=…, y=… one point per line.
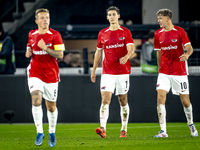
x=46, y=49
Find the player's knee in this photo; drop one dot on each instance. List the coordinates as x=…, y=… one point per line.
x=122, y=100
x=185, y=100
x=36, y=101
x=161, y=99
x=36, y=98
x=51, y=109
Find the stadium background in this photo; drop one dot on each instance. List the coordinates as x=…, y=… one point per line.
x=79, y=22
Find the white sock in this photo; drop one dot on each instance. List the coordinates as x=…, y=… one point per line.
x=37, y=117
x=162, y=116
x=124, y=112
x=188, y=114
x=104, y=113
x=52, y=118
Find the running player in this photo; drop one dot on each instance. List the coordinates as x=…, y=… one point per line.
x=170, y=42
x=45, y=46
x=117, y=45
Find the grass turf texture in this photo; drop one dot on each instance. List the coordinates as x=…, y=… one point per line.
x=83, y=136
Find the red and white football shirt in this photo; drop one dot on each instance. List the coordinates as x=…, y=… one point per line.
x=171, y=43
x=114, y=45
x=43, y=65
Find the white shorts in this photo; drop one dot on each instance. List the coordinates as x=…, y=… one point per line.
x=179, y=84
x=49, y=90
x=120, y=83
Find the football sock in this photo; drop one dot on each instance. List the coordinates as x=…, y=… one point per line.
x=104, y=113
x=52, y=118
x=162, y=116
x=124, y=112
x=37, y=117
x=188, y=114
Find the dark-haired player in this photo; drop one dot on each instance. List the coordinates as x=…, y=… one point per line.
x=117, y=45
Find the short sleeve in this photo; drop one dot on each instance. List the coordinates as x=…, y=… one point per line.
x=58, y=42
x=99, y=42
x=156, y=42
x=129, y=39
x=30, y=41
x=184, y=38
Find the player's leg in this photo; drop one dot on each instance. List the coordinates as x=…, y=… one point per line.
x=187, y=106
x=36, y=90
x=161, y=111
x=37, y=115
x=104, y=108
x=124, y=113
x=180, y=86
x=107, y=88
x=37, y=110
x=163, y=86
x=52, y=115
x=104, y=113
x=50, y=95
x=122, y=88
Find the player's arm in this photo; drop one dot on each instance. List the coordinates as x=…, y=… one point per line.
x=54, y=53
x=129, y=55
x=97, y=59
x=158, y=58
x=184, y=57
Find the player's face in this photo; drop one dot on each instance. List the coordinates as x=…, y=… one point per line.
x=43, y=20
x=163, y=20
x=112, y=16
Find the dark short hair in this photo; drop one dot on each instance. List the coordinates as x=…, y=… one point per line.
x=113, y=8
x=40, y=10
x=151, y=34
x=165, y=12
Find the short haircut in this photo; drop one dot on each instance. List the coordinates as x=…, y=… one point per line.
x=165, y=12
x=113, y=8
x=40, y=10
x=151, y=34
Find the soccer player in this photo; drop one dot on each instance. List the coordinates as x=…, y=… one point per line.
x=170, y=41
x=117, y=45
x=45, y=46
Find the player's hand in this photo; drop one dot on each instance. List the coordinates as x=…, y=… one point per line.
x=42, y=45
x=28, y=52
x=93, y=77
x=123, y=60
x=183, y=57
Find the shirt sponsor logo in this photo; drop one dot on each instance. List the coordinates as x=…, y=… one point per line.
x=115, y=46
x=169, y=47
x=40, y=52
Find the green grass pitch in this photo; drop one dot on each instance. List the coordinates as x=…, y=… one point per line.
x=83, y=136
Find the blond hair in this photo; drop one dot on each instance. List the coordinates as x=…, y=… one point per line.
x=40, y=10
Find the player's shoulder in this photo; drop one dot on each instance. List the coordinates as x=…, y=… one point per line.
x=159, y=31
x=32, y=32
x=52, y=31
x=124, y=29
x=104, y=30
x=178, y=28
